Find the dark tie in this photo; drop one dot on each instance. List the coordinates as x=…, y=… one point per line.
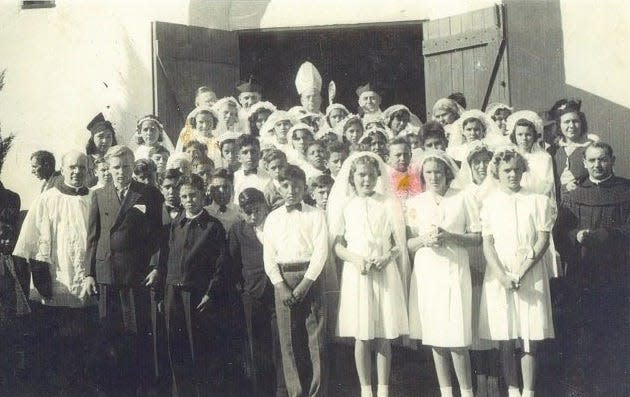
x=326, y=172
x=249, y=172
x=222, y=208
x=121, y=194
x=294, y=207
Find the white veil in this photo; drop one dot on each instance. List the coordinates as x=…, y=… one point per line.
x=342, y=192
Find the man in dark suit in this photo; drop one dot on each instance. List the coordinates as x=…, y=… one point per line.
x=123, y=219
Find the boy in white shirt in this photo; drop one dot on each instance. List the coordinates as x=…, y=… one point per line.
x=295, y=246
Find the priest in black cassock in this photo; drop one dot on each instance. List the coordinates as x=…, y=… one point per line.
x=594, y=226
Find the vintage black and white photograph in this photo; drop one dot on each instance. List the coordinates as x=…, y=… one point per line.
x=322, y=198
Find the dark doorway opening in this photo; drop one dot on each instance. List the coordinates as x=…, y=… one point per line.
x=390, y=55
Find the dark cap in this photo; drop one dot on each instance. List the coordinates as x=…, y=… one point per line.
x=249, y=86
x=367, y=87
x=99, y=124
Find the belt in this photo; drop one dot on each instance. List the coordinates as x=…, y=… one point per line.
x=293, y=266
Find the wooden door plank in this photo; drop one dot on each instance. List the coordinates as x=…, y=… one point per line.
x=457, y=73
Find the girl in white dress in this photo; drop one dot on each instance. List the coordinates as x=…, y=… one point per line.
x=526, y=131
x=483, y=353
x=366, y=223
x=515, y=300
x=149, y=134
x=440, y=293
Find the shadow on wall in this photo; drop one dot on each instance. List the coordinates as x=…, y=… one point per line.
x=536, y=51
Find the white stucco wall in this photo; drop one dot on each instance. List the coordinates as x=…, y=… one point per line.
x=67, y=63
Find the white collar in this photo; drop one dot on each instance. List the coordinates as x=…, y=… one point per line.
x=194, y=216
x=597, y=182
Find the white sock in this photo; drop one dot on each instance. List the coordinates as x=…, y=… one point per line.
x=513, y=392
x=446, y=391
x=382, y=391
x=366, y=391
x=466, y=392
x=528, y=393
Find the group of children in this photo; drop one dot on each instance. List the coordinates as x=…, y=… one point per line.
x=370, y=226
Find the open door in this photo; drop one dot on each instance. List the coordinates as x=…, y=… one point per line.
x=465, y=53
x=185, y=58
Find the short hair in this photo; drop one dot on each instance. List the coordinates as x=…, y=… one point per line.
x=363, y=160
x=356, y=121
x=459, y=98
x=600, y=145
x=247, y=140
x=225, y=142
x=274, y=154
x=317, y=143
x=202, y=160
x=82, y=156
x=524, y=123
x=222, y=173
x=400, y=140
x=477, y=151
x=193, y=181
x=193, y=120
x=374, y=135
x=144, y=167
x=323, y=180
x=195, y=144
x=338, y=147
x=250, y=197
x=202, y=90
x=119, y=151
x=292, y=173
x=504, y=156
x=400, y=114
x=44, y=158
x=159, y=149
x=432, y=129
x=505, y=112
x=172, y=174
x=99, y=161
x=307, y=131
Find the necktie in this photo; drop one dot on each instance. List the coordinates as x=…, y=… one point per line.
x=121, y=194
x=250, y=172
x=294, y=207
x=222, y=208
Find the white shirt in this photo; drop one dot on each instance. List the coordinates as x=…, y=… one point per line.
x=242, y=182
x=296, y=236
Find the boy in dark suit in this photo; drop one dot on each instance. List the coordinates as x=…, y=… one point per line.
x=195, y=295
x=123, y=218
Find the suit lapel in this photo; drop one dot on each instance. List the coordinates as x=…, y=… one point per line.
x=130, y=199
x=111, y=203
